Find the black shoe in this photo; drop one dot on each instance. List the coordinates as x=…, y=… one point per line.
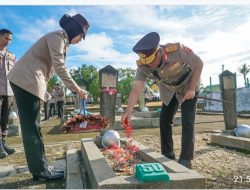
x=59, y=171
x=44, y=119
x=8, y=149
x=186, y=163
x=170, y=155
x=3, y=153
x=52, y=168
x=47, y=175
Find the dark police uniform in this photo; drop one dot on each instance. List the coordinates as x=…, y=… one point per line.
x=174, y=75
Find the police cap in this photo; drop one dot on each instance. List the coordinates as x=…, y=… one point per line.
x=146, y=48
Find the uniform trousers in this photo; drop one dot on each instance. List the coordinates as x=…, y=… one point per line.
x=52, y=109
x=29, y=114
x=5, y=104
x=188, y=112
x=45, y=108
x=60, y=110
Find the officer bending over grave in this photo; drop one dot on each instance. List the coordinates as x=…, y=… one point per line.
x=178, y=70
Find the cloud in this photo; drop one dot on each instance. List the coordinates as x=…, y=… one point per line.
x=217, y=33
x=211, y=31
x=39, y=27
x=98, y=49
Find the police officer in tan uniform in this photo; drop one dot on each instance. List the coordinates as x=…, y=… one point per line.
x=52, y=103
x=29, y=78
x=178, y=70
x=46, y=105
x=60, y=100
x=7, y=60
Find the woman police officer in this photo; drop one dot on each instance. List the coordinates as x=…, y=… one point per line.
x=28, y=80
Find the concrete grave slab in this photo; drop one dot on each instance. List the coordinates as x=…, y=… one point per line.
x=226, y=138
x=102, y=176
x=11, y=170
x=139, y=122
x=73, y=175
x=150, y=114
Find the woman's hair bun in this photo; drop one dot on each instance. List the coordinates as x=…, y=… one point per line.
x=64, y=20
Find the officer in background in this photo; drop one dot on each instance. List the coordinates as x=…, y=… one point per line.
x=52, y=103
x=46, y=105
x=60, y=100
x=178, y=71
x=7, y=60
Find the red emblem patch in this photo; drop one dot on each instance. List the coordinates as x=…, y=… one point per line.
x=187, y=50
x=165, y=57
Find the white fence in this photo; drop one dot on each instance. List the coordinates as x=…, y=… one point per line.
x=242, y=101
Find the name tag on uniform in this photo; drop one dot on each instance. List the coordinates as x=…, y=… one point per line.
x=174, y=66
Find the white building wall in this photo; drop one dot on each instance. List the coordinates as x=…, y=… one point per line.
x=242, y=101
x=213, y=105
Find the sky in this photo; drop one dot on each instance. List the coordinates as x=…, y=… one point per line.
x=218, y=34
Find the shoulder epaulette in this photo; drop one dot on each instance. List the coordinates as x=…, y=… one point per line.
x=171, y=48
x=11, y=56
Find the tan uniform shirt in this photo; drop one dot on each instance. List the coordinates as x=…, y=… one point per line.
x=60, y=94
x=47, y=97
x=7, y=61
x=53, y=98
x=33, y=70
x=174, y=73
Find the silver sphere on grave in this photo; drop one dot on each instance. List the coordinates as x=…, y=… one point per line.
x=242, y=130
x=12, y=115
x=111, y=138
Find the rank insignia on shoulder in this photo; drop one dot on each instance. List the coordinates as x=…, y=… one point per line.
x=11, y=56
x=187, y=50
x=171, y=48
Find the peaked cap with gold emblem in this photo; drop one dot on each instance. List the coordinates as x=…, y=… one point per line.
x=146, y=48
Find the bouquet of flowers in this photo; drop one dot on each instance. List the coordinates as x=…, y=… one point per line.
x=85, y=123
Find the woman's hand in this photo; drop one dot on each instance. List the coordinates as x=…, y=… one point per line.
x=82, y=93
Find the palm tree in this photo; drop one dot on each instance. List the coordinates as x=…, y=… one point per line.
x=244, y=69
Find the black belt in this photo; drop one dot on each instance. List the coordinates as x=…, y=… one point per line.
x=181, y=79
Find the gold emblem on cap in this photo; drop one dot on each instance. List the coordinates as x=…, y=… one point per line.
x=141, y=55
x=147, y=60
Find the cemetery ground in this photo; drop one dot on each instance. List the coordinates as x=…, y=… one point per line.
x=223, y=167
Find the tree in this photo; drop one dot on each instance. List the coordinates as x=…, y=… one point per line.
x=244, y=69
x=124, y=73
x=53, y=81
x=88, y=77
x=126, y=81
